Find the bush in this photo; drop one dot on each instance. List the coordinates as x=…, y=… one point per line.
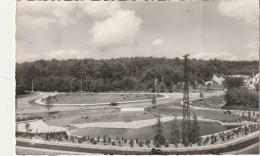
x=79, y=140
x=157, y=144
x=113, y=104
x=242, y=97
x=120, y=143
x=140, y=143
x=92, y=139
x=166, y=144
x=59, y=138
x=113, y=143
x=131, y=143
x=104, y=139
x=109, y=139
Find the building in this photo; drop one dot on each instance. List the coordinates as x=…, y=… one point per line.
x=218, y=79
x=252, y=80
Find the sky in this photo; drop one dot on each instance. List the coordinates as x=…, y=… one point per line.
x=226, y=30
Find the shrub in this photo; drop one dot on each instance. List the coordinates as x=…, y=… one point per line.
x=157, y=144
x=131, y=143
x=83, y=138
x=92, y=139
x=109, y=139
x=166, y=144
x=140, y=143
x=79, y=140
x=113, y=143
x=199, y=143
x=241, y=97
x=120, y=143
x=59, y=138
x=113, y=104
x=104, y=139
x=94, y=142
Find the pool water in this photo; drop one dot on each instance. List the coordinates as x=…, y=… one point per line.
x=148, y=132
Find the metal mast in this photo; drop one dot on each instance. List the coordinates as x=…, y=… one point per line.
x=186, y=105
x=80, y=72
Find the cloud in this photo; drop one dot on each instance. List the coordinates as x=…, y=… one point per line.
x=217, y=55
x=118, y=28
x=158, y=42
x=55, y=54
x=101, y=9
x=159, y=45
x=68, y=54
x=39, y=15
x=22, y=57
x=246, y=10
x=35, y=22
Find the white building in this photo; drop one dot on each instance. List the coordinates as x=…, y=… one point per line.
x=252, y=80
x=218, y=79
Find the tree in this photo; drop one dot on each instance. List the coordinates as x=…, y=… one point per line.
x=233, y=82
x=195, y=132
x=241, y=97
x=109, y=139
x=175, y=133
x=159, y=131
x=48, y=103
x=208, y=86
x=154, y=102
x=201, y=95
x=104, y=140
x=121, y=73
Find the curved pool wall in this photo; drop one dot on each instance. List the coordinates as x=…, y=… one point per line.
x=40, y=102
x=210, y=149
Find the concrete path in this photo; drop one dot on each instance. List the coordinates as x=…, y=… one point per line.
x=20, y=150
x=39, y=126
x=133, y=125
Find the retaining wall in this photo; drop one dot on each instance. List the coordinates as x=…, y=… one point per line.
x=209, y=149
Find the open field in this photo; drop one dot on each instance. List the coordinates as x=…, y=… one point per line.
x=62, y=119
x=215, y=102
x=99, y=98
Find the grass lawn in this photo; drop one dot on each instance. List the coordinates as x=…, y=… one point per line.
x=214, y=102
x=68, y=118
x=98, y=98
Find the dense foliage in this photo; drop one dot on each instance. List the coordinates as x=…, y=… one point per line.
x=122, y=74
x=233, y=82
x=242, y=97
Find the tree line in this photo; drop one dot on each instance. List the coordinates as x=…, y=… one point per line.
x=121, y=74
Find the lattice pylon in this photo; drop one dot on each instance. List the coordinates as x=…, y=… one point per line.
x=186, y=106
